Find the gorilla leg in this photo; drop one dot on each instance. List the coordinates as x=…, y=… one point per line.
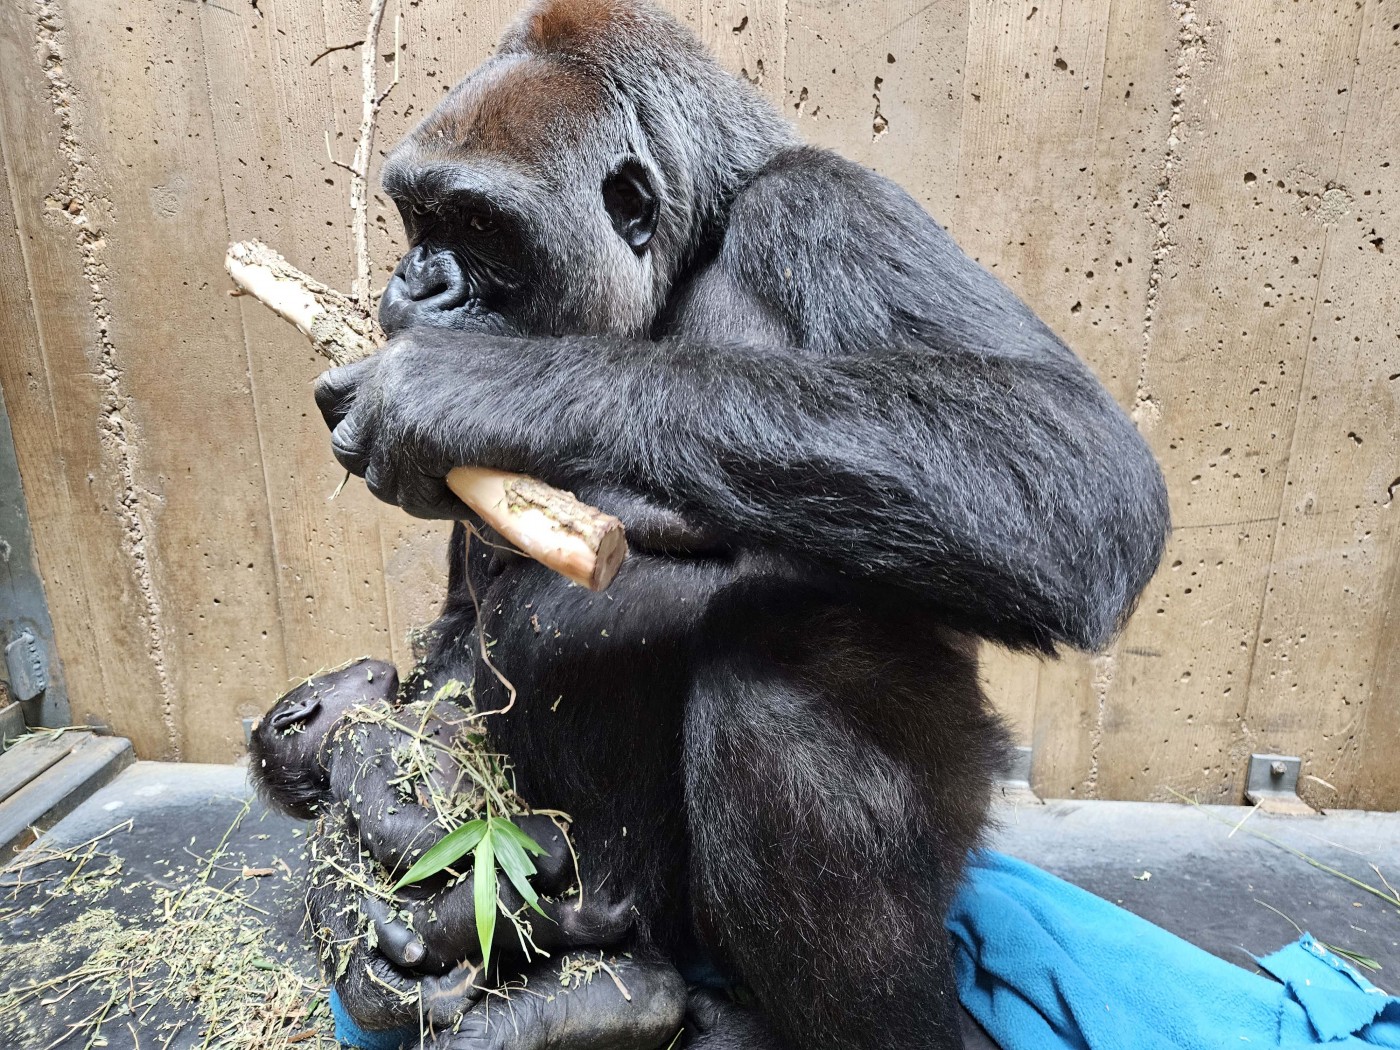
x=837, y=775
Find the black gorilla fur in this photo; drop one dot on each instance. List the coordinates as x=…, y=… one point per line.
x=844, y=452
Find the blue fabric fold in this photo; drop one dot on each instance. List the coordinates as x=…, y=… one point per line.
x=352, y=1037
x=1044, y=965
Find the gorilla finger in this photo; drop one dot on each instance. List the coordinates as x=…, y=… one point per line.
x=348, y=445
x=447, y=997
x=376, y=994
x=601, y=924
x=380, y=480
x=629, y=1005
x=425, y=496
x=554, y=870
x=395, y=940
x=715, y=1022
x=335, y=390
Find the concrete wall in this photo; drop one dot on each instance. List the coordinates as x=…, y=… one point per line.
x=1198, y=195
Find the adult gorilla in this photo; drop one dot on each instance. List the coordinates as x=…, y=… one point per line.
x=843, y=450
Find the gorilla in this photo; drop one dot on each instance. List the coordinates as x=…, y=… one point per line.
x=844, y=453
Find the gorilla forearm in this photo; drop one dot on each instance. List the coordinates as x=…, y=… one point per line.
x=1009, y=488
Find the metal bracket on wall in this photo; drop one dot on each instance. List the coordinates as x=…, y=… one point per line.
x=28, y=666
x=26, y=632
x=1272, y=785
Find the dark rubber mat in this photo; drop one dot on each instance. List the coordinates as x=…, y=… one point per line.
x=165, y=913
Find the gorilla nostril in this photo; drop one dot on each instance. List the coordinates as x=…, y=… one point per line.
x=429, y=287
x=424, y=284
x=434, y=280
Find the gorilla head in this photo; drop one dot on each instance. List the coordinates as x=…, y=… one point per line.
x=289, y=747
x=548, y=193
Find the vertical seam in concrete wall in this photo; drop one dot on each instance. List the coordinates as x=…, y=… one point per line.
x=247, y=346
x=1390, y=601
x=383, y=587
x=1145, y=410
x=782, y=53
x=1244, y=731
x=59, y=477
x=1190, y=41
x=28, y=269
x=1390, y=604
x=958, y=176
x=1105, y=667
x=116, y=432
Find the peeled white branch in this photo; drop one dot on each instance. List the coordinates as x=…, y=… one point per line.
x=547, y=524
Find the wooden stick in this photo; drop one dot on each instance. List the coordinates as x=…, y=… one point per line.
x=549, y=525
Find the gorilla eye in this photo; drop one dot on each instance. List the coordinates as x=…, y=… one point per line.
x=482, y=224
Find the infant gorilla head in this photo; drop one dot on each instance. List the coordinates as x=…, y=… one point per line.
x=289, y=746
x=432, y=772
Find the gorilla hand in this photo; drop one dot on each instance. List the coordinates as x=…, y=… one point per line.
x=435, y=399
x=431, y=932
x=289, y=746
x=385, y=802
x=393, y=417
x=377, y=994
x=583, y=1002
x=392, y=765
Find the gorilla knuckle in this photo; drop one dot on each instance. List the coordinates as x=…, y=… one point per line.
x=326, y=392
x=381, y=483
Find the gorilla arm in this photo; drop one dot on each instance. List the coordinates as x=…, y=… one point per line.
x=551, y=526
x=921, y=429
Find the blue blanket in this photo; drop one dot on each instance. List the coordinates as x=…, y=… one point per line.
x=1044, y=965
x=351, y=1036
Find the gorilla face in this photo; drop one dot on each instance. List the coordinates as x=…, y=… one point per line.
x=530, y=207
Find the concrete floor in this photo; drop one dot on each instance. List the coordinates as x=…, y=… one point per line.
x=1205, y=884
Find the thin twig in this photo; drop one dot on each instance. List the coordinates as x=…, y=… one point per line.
x=616, y=980
x=1253, y=810
x=1380, y=875
x=370, y=101
x=1389, y=898
x=337, y=47
x=332, y=157
x=481, y=634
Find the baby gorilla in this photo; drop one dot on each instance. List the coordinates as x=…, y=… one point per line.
x=289, y=765
x=309, y=755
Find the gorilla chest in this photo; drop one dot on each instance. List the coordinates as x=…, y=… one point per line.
x=600, y=680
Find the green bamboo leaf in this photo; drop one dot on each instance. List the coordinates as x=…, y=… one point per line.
x=484, y=889
x=518, y=868
x=452, y=847
x=514, y=833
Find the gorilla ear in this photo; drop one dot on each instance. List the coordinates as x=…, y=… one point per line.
x=297, y=711
x=631, y=202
